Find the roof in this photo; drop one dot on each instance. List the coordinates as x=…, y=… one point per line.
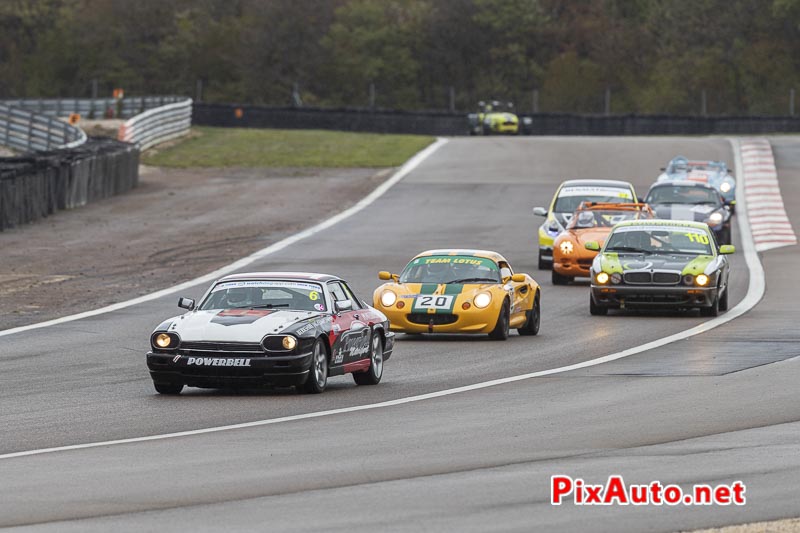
x=494, y=256
x=663, y=222
x=305, y=276
x=597, y=183
x=681, y=183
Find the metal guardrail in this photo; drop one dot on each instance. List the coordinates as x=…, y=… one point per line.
x=26, y=131
x=158, y=125
x=92, y=108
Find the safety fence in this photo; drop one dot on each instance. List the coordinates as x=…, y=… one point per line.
x=35, y=186
x=158, y=124
x=25, y=131
x=92, y=108
x=445, y=123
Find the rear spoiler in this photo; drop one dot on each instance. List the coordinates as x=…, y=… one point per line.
x=587, y=206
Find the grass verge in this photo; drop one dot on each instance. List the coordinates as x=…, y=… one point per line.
x=240, y=147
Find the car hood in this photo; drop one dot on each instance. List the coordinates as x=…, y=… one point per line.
x=684, y=263
x=692, y=212
x=236, y=325
x=582, y=236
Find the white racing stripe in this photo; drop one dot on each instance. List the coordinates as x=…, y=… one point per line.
x=755, y=292
x=410, y=165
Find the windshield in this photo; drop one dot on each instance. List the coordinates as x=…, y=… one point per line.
x=570, y=198
x=683, y=195
x=655, y=240
x=604, y=218
x=266, y=294
x=451, y=269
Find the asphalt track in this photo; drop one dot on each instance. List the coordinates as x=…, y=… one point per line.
x=707, y=409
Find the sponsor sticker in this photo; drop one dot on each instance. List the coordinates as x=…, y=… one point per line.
x=216, y=361
x=596, y=191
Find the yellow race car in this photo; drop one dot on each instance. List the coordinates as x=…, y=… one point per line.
x=460, y=291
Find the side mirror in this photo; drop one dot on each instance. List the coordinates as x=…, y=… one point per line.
x=518, y=278
x=186, y=303
x=541, y=211
x=727, y=249
x=593, y=246
x=732, y=202
x=343, y=305
x=384, y=275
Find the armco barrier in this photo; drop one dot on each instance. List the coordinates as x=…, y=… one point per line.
x=158, y=124
x=26, y=131
x=32, y=187
x=442, y=123
x=93, y=108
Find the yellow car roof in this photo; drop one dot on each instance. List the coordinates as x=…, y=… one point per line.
x=487, y=254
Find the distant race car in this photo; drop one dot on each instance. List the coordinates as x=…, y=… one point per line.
x=497, y=118
x=592, y=221
x=460, y=291
x=566, y=200
x=713, y=173
x=660, y=264
x=274, y=329
x=686, y=200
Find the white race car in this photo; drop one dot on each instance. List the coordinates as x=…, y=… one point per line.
x=270, y=329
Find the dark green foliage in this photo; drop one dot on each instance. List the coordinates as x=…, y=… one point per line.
x=654, y=56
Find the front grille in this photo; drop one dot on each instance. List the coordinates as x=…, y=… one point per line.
x=585, y=262
x=667, y=278
x=245, y=349
x=637, y=277
x=438, y=319
x=644, y=299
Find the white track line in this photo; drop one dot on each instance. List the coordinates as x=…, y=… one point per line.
x=410, y=165
x=755, y=291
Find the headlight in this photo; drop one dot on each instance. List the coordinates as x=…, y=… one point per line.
x=616, y=278
x=566, y=247
x=701, y=280
x=388, y=298
x=601, y=278
x=688, y=279
x=726, y=186
x=715, y=219
x=482, y=300
x=553, y=227
x=289, y=342
x=163, y=340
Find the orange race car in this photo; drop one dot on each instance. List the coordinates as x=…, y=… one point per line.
x=591, y=222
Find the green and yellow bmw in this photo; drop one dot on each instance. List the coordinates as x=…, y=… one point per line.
x=660, y=264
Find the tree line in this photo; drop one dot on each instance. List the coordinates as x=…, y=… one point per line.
x=649, y=56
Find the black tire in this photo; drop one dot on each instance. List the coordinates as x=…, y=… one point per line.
x=711, y=311
x=723, y=300
x=725, y=236
x=544, y=264
x=558, y=279
x=500, y=331
x=486, y=130
x=596, y=310
x=534, y=315
x=318, y=373
x=375, y=371
x=171, y=389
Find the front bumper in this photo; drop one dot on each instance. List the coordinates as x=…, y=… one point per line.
x=652, y=296
x=217, y=370
x=471, y=321
x=577, y=266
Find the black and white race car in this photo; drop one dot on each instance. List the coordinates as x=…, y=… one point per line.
x=695, y=202
x=270, y=329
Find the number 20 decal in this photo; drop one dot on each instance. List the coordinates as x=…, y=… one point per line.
x=433, y=301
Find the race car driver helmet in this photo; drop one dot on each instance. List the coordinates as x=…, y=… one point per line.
x=238, y=297
x=585, y=220
x=637, y=239
x=437, y=271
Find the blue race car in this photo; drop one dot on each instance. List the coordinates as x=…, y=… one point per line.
x=713, y=173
